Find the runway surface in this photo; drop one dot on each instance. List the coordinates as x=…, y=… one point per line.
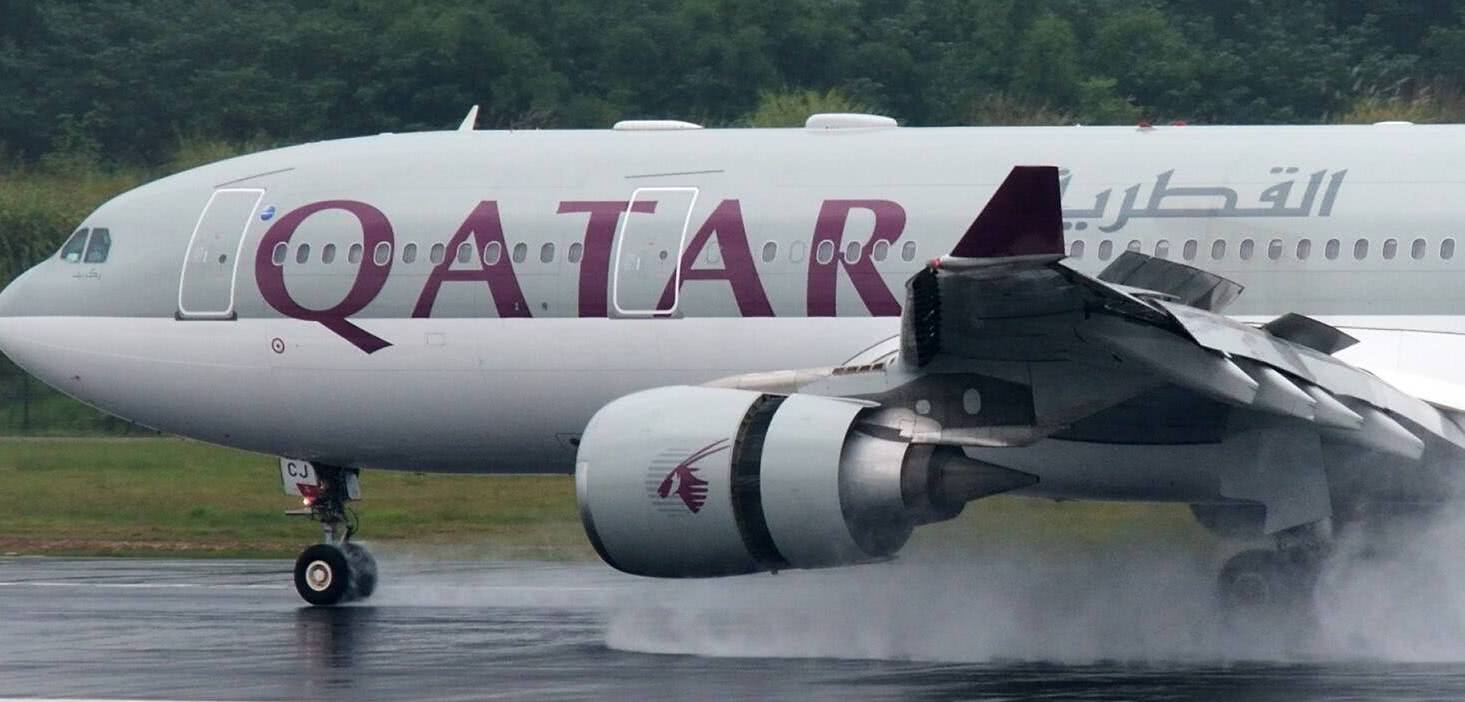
x=234, y=630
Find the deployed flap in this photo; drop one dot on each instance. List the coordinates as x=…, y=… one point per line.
x=1301, y=329
x=1023, y=218
x=1188, y=285
x=1381, y=433
x=1173, y=358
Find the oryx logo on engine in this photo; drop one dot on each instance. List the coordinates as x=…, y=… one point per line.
x=681, y=482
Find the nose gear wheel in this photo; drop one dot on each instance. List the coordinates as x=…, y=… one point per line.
x=338, y=570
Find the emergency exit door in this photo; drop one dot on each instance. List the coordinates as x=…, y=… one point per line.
x=649, y=245
x=211, y=266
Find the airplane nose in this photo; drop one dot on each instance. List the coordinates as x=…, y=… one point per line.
x=11, y=300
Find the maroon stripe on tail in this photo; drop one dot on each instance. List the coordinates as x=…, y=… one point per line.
x=1023, y=218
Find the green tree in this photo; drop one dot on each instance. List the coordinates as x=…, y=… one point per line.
x=137, y=73
x=1146, y=61
x=1047, y=62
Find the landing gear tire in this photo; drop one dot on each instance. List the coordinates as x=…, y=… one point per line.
x=1267, y=594
x=327, y=574
x=363, y=570
x=323, y=575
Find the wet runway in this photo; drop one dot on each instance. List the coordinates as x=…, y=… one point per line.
x=234, y=630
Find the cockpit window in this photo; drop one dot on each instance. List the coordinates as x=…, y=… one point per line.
x=98, y=246
x=72, y=249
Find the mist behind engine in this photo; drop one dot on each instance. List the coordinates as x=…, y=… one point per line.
x=1093, y=587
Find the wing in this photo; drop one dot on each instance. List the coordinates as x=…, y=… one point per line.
x=1003, y=345
x=1148, y=321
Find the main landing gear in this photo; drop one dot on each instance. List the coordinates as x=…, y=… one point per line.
x=336, y=570
x=1275, y=585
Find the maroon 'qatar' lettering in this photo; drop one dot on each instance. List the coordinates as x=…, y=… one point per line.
x=484, y=225
x=370, y=278
x=726, y=222
x=600, y=233
x=824, y=277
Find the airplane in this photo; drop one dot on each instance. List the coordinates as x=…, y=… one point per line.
x=770, y=349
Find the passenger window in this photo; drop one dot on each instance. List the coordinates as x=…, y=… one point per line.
x=908, y=252
x=353, y=254
x=1447, y=249
x=1190, y=249
x=521, y=252
x=770, y=251
x=1162, y=248
x=302, y=254
x=714, y=253
x=465, y=252
x=71, y=250
x=796, y=252
x=1133, y=245
x=1304, y=249
x=1247, y=248
x=437, y=253
x=882, y=250
x=409, y=253
x=1218, y=249
x=1391, y=249
x=98, y=246
x=546, y=253
x=1331, y=250
x=282, y=250
x=382, y=254
x=852, y=252
x=826, y=251
x=1360, y=249
x=492, y=252
x=1274, y=249
x=1416, y=250
x=328, y=253
x=1075, y=250
x=576, y=250
x=1106, y=249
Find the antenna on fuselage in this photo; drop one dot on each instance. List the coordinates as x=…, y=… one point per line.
x=471, y=121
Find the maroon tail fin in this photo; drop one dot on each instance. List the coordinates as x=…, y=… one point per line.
x=1023, y=218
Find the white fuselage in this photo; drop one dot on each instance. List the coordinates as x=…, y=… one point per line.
x=570, y=294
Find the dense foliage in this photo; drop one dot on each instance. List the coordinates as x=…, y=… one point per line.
x=127, y=77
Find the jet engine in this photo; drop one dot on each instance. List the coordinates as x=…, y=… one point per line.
x=703, y=482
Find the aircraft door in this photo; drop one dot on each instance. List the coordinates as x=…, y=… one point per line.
x=206, y=285
x=649, y=252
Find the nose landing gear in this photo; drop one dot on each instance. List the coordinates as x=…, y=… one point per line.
x=337, y=570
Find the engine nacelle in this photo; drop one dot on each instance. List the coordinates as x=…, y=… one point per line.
x=700, y=482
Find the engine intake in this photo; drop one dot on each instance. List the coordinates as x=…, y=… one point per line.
x=702, y=482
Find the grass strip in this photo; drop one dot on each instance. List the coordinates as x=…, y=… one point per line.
x=173, y=497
